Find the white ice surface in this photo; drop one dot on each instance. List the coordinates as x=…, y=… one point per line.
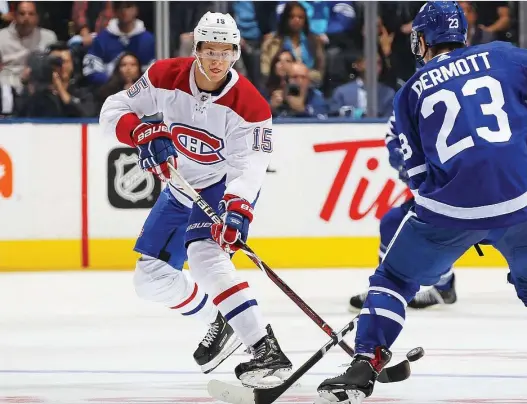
x=84, y=337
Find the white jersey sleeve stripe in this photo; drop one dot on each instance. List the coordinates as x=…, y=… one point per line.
x=417, y=170
x=477, y=212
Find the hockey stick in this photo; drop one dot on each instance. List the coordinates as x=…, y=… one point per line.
x=203, y=205
x=398, y=372
x=245, y=395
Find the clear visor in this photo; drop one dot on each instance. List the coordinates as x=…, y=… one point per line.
x=228, y=55
x=414, y=43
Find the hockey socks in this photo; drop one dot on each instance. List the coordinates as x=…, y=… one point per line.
x=383, y=314
x=213, y=270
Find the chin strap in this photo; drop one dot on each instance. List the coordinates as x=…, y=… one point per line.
x=202, y=70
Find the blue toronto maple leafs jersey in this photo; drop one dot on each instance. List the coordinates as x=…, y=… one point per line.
x=462, y=124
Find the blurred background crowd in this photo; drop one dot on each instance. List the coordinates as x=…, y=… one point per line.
x=62, y=59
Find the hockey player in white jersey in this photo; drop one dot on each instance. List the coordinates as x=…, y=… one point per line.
x=217, y=131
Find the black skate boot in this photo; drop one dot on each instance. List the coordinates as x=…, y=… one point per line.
x=434, y=296
x=219, y=343
x=357, y=301
x=357, y=382
x=268, y=368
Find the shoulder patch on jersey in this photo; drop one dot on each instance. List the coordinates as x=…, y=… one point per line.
x=171, y=74
x=245, y=100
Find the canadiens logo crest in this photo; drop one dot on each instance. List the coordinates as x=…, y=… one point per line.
x=197, y=144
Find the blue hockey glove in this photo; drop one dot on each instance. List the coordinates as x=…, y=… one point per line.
x=396, y=159
x=156, y=149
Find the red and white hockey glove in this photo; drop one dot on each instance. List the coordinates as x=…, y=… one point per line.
x=236, y=214
x=155, y=148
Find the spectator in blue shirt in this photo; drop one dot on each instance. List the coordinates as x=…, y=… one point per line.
x=126, y=33
x=351, y=99
x=253, y=21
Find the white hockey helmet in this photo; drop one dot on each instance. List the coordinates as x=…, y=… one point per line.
x=217, y=27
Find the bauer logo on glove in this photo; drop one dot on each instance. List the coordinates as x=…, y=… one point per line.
x=154, y=130
x=155, y=148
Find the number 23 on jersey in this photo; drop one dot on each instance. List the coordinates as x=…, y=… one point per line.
x=451, y=101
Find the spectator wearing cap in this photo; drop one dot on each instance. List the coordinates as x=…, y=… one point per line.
x=126, y=33
x=18, y=40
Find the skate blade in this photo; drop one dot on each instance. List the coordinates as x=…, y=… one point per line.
x=227, y=351
x=265, y=378
x=230, y=393
x=353, y=309
x=354, y=397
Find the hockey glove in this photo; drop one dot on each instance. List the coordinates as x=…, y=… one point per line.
x=396, y=159
x=155, y=148
x=236, y=214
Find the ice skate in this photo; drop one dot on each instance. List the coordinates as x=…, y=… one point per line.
x=357, y=301
x=268, y=368
x=357, y=382
x=435, y=296
x=219, y=343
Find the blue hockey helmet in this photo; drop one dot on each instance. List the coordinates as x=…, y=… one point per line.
x=438, y=22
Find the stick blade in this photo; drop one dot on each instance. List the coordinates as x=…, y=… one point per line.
x=396, y=373
x=268, y=396
x=230, y=393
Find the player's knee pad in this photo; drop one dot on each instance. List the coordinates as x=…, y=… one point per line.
x=156, y=281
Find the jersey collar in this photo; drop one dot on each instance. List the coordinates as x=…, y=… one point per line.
x=213, y=97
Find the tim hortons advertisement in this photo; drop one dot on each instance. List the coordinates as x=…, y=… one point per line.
x=327, y=180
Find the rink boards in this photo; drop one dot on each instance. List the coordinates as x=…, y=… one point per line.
x=73, y=198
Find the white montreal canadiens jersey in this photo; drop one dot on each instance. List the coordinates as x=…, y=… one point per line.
x=228, y=135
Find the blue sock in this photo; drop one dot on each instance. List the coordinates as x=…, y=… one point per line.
x=384, y=311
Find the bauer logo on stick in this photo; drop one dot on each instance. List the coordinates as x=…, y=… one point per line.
x=129, y=187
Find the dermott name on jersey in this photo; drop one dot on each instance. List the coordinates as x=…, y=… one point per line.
x=459, y=67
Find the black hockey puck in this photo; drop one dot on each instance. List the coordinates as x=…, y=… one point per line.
x=415, y=354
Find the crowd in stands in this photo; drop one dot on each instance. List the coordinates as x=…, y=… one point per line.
x=64, y=59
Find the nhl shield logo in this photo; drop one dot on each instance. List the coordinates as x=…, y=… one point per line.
x=130, y=187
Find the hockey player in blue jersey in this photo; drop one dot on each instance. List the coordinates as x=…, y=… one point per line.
x=462, y=126
x=443, y=292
